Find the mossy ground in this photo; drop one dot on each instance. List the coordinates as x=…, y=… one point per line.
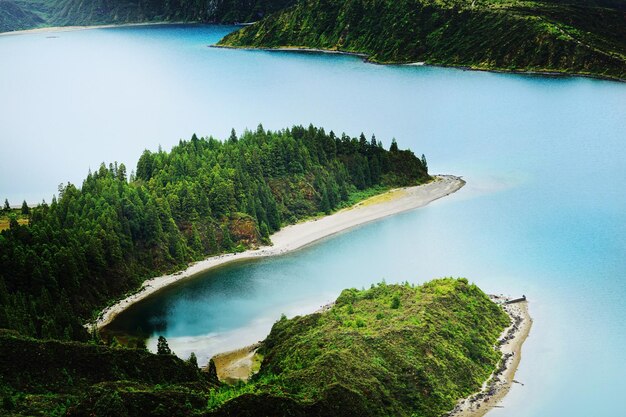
x=389, y=350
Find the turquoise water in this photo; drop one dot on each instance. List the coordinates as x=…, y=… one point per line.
x=543, y=213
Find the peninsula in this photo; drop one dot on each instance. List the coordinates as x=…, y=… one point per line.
x=301, y=234
x=98, y=243
x=397, y=350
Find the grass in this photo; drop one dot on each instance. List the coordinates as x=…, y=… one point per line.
x=389, y=350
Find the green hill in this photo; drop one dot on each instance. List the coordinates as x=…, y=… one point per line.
x=90, y=12
x=15, y=16
x=392, y=350
x=573, y=36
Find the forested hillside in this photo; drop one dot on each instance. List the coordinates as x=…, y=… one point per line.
x=27, y=14
x=91, y=12
x=565, y=36
x=92, y=244
x=549, y=36
x=14, y=16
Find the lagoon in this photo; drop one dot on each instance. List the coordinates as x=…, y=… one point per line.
x=543, y=213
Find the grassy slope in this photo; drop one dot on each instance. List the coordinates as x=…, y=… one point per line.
x=53, y=378
x=365, y=357
x=491, y=34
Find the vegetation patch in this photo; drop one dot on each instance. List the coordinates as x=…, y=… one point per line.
x=568, y=36
x=396, y=350
x=60, y=263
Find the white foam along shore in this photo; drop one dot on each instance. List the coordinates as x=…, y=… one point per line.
x=299, y=235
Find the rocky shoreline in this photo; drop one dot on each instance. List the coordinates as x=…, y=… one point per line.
x=510, y=344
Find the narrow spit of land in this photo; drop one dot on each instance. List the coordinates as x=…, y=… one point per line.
x=299, y=235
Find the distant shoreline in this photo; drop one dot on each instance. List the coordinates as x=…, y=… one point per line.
x=460, y=67
x=296, y=236
x=60, y=29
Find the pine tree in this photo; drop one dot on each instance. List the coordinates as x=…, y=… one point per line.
x=233, y=136
x=7, y=207
x=193, y=359
x=25, y=208
x=227, y=242
x=162, y=346
x=394, y=146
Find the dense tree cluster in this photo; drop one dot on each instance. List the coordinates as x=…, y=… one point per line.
x=95, y=243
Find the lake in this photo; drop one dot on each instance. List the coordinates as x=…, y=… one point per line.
x=543, y=213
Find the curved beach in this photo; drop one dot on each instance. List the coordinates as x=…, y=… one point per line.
x=299, y=235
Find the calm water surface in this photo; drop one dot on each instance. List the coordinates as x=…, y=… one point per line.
x=543, y=214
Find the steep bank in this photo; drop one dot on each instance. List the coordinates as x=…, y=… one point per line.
x=15, y=15
x=568, y=37
x=299, y=235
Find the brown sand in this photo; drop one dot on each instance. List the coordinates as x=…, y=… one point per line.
x=236, y=365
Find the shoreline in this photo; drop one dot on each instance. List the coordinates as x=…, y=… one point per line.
x=303, y=49
x=502, y=379
x=365, y=57
x=299, y=235
x=238, y=365
x=74, y=28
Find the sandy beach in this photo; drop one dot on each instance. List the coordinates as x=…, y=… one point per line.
x=510, y=344
x=236, y=365
x=299, y=235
